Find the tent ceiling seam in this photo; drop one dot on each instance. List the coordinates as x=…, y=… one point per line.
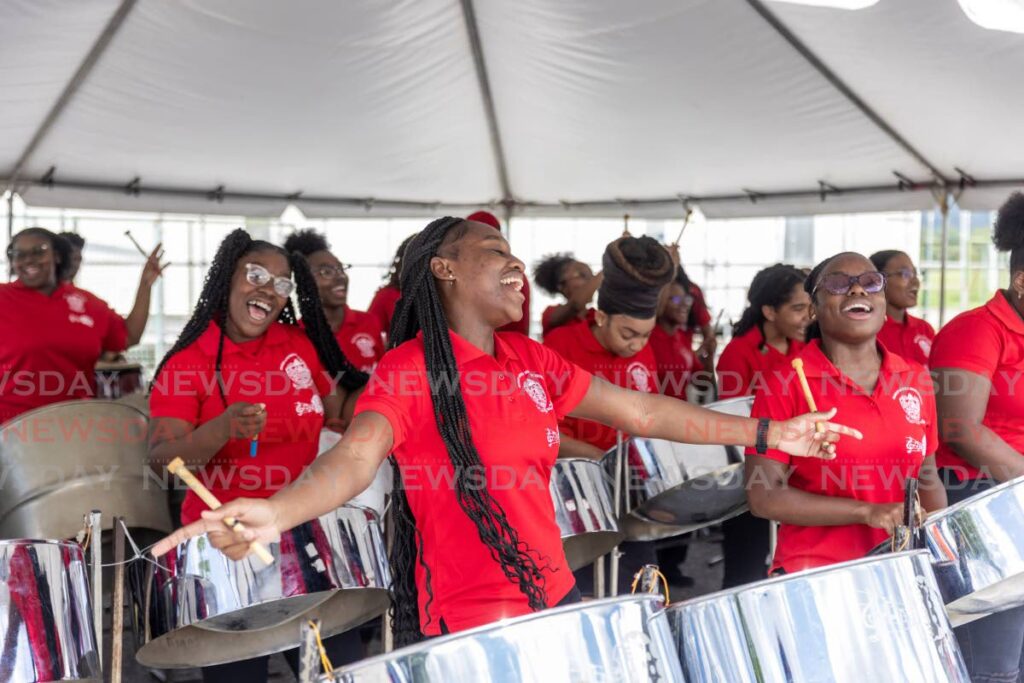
x=842, y=87
x=81, y=73
x=484, y=82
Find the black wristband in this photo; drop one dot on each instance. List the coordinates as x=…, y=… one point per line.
x=761, y=445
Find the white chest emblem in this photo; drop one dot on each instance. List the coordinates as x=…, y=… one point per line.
x=76, y=302
x=910, y=401
x=532, y=386
x=915, y=446
x=297, y=371
x=923, y=343
x=364, y=343
x=83, y=319
x=553, y=438
x=641, y=377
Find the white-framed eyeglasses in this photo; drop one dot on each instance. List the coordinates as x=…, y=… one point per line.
x=258, y=276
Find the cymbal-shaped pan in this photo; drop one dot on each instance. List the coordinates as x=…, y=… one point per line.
x=675, y=488
x=199, y=608
x=46, y=618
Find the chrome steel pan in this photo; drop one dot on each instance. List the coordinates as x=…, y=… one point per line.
x=582, y=496
x=618, y=640
x=46, y=618
x=876, y=619
x=676, y=488
x=200, y=608
x=65, y=459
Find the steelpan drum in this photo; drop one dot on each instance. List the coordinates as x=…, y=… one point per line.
x=618, y=640
x=118, y=379
x=46, y=619
x=977, y=549
x=199, y=608
x=65, y=459
x=877, y=619
x=675, y=488
x=581, y=492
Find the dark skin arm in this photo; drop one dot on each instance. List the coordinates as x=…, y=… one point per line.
x=576, y=303
x=569, y=447
x=170, y=437
x=961, y=412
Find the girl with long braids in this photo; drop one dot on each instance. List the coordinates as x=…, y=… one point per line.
x=359, y=334
x=243, y=369
x=839, y=509
x=386, y=299
x=978, y=357
x=471, y=418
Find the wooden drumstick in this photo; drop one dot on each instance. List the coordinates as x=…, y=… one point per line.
x=177, y=466
x=128, y=234
x=798, y=365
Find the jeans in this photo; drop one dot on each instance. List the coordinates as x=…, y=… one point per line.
x=344, y=648
x=993, y=647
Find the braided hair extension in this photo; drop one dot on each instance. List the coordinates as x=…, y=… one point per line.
x=395, y=272
x=212, y=306
x=814, y=329
x=420, y=309
x=773, y=287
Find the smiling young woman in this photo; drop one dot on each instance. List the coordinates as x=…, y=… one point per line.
x=902, y=333
x=836, y=510
x=467, y=552
x=52, y=359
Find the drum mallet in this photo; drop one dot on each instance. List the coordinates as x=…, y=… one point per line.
x=798, y=365
x=128, y=234
x=177, y=466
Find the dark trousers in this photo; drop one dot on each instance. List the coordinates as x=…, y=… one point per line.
x=344, y=648
x=571, y=598
x=993, y=647
x=635, y=554
x=745, y=545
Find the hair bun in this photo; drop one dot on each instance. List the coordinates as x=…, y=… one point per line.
x=1008, y=234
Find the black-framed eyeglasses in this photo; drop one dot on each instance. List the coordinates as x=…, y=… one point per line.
x=258, y=276
x=20, y=254
x=329, y=272
x=905, y=273
x=871, y=282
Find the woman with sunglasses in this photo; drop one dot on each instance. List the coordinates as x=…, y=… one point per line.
x=52, y=359
x=903, y=334
x=562, y=274
x=978, y=359
x=244, y=392
x=359, y=334
x=469, y=550
x=835, y=510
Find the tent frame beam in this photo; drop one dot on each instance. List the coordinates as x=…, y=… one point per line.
x=613, y=207
x=490, y=111
x=842, y=87
x=84, y=69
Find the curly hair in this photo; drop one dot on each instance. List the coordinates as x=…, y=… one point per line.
x=548, y=272
x=1008, y=232
x=306, y=242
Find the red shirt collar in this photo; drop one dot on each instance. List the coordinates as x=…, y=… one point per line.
x=1005, y=312
x=210, y=338
x=62, y=287
x=817, y=364
x=466, y=353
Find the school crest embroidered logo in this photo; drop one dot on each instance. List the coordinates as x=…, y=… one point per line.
x=297, y=371
x=364, y=343
x=910, y=400
x=923, y=343
x=532, y=385
x=315, y=405
x=553, y=438
x=76, y=302
x=641, y=377
x=83, y=319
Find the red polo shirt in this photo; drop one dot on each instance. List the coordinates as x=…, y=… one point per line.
x=701, y=315
x=899, y=427
x=361, y=339
x=49, y=345
x=577, y=344
x=280, y=369
x=513, y=400
x=676, y=360
x=383, y=306
x=747, y=360
x=912, y=339
x=546, y=325
x=988, y=341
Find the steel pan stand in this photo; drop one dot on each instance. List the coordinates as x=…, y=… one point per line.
x=309, y=653
x=618, y=493
x=95, y=523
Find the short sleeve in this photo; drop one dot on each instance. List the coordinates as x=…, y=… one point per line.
x=772, y=401
x=395, y=390
x=971, y=343
x=115, y=333
x=929, y=411
x=567, y=383
x=734, y=373
x=179, y=390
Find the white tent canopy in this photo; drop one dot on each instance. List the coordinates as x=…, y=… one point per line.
x=545, y=107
